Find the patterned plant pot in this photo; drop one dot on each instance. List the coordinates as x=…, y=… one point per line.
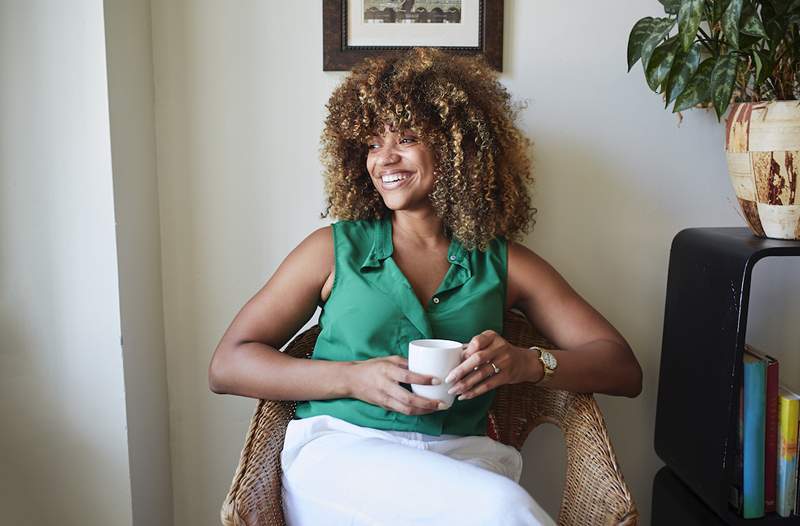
x=762, y=142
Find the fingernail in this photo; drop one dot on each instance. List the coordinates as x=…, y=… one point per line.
x=451, y=390
x=449, y=378
x=435, y=381
x=442, y=405
x=462, y=397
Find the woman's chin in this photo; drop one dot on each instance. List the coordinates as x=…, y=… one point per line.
x=405, y=206
x=395, y=202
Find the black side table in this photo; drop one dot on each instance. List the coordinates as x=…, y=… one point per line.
x=705, y=320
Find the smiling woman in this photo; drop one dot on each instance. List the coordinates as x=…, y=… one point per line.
x=453, y=105
x=428, y=176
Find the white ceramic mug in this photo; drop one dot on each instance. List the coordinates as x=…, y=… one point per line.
x=436, y=358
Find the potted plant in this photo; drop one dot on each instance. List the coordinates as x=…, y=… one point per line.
x=741, y=56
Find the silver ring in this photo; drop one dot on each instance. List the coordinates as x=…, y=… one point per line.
x=496, y=368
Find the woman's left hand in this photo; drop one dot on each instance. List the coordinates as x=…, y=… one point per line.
x=475, y=375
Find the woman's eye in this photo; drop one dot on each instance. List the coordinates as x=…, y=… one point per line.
x=409, y=139
x=373, y=146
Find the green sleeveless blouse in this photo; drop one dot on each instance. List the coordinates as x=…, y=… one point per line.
x=372, y=311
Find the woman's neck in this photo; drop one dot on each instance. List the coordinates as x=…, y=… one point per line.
x=425, y=229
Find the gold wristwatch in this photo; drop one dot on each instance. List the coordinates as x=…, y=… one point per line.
x=549, y=364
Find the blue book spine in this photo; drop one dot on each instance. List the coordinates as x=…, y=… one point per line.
x=753, y=436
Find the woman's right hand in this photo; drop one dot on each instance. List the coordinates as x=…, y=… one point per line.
x=377, y=381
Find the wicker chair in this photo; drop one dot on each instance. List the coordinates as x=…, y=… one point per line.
x=594, y=493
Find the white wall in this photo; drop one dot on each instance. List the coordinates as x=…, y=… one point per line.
x=240, y=96
x=239, y=106
x=63, y=444
x=133, y=147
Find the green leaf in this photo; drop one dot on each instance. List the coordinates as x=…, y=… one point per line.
x=660, y=63
x=718, y=8
x=723, y=78
x=683, y=67
x=696, y=91
x=763, y=66
x=751, y=23
x=730, y=22
x=689, y=16
x=641, y=30
x=671, y=6
x=658, y=31
x=747, y=42
x=759, y=66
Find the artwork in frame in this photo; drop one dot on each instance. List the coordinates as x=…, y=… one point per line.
x=356, y=29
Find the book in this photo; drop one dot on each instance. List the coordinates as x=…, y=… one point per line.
x=788, y=410
x=753, y=436
x=771, y=428
x=797, y=479
x=735, y=494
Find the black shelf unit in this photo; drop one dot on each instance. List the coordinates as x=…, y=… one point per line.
x=705, y=321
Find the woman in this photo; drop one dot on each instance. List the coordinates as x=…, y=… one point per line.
x=428, y=175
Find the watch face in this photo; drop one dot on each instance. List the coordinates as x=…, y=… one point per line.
x=549, y=360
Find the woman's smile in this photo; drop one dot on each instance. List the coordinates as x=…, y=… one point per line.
x=391, y=180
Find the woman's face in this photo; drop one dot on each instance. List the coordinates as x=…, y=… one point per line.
x=401, y=168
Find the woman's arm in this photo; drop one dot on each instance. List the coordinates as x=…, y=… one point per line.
x=247, y=361
x=592, y=355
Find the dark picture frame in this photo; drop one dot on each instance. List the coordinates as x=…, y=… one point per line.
x=339, y=56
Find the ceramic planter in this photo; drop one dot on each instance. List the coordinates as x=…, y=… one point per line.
x=762, y=144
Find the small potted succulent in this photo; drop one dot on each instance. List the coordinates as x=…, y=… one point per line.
x=739, y=56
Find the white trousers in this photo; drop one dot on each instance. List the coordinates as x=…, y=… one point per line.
x=340, y=474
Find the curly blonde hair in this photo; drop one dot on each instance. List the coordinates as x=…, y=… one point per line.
x=462, y=113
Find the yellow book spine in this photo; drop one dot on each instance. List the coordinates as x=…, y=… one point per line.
x=788, y=409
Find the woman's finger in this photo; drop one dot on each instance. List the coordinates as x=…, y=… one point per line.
x=478, y=342
x=483, y=387
x=412, y=404
x=467, y=366
x=405, y=376
x=474, y=378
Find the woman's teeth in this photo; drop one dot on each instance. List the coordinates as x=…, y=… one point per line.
x=394, y=178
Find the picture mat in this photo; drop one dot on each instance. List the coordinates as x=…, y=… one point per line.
x=464, y=34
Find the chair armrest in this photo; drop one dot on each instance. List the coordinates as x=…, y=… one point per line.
x=254, y=497
x=255, y=494
x=595, y=491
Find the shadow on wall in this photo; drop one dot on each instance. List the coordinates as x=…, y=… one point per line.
x=42, y=448
x=544, y=467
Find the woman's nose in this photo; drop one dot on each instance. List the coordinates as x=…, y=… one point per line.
x=388, y=156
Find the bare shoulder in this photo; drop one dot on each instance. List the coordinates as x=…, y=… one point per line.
x=319, y=243
x=320, y=239
x=316, y=254
x=319, y=255
x=528, y=272
x=519, y=254
x=290, y=296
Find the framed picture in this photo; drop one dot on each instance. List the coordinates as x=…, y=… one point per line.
x=356, y=29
